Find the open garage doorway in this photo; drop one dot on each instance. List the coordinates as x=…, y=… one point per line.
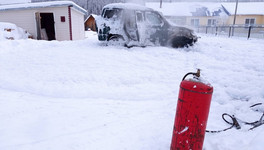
x=45, y=26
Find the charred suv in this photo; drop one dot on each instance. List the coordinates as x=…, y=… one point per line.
x=134, y=25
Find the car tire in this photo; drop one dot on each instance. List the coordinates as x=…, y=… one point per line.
x=116, y=40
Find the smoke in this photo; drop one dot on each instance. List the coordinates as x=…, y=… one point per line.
x=140, y=2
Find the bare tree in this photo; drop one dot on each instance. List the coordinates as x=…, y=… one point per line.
x=92, y=6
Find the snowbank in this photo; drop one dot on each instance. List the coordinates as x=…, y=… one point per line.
x=75, y=95
x=11, y=31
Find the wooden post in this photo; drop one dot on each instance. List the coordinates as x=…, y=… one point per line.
x=229, y=31
x=70, y=21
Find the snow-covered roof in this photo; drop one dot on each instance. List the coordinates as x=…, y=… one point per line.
x=245, y=8
x=41, y=5
x=184, y=8
x=127, y=6
x=91, y=15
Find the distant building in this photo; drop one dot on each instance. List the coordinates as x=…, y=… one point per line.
x=211, y=14
x=59, y=20
x=248, y=14
x=89, y=22
x=192, y=14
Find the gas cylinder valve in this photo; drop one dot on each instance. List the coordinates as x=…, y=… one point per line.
x=195, y=74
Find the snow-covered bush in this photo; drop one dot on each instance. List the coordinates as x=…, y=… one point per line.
x=12, y=32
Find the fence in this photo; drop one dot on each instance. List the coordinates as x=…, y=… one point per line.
x=241, y=31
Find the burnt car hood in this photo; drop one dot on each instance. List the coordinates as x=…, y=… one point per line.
x=181, y=37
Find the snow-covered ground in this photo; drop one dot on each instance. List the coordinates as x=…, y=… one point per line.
x=83, y=95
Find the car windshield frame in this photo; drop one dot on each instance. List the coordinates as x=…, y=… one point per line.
x=113, y=13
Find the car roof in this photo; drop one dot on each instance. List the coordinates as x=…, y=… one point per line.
x=129, y=6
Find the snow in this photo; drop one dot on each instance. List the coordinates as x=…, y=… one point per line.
x=93, y=15
x=82, y=95
x=41, y=5
x=184, y=130
x=10, y=30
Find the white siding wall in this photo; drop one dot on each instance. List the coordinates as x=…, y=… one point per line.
x=62, y=29
x=77, y=25
x=26, y=20
x=22, y=18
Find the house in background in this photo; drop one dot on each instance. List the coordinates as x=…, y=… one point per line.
x=211, y=14
x=207, y=14
x=56, y=20
x=192, y=14
x=89, y=22
x=248, y=14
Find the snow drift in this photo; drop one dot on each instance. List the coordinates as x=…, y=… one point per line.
x=80, y=95
x=11, y=31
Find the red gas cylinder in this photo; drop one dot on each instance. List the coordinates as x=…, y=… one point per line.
x=191, y=114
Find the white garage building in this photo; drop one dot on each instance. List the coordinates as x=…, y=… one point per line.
x=56, y=20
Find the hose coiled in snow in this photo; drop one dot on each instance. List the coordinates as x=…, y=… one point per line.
x=235, y=123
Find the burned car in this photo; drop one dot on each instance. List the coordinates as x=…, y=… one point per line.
x=135, y=25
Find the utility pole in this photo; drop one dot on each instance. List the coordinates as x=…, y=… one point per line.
x=234, y=21
x=160, y=3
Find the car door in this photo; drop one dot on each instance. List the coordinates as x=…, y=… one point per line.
x=130, y=26
x=156, y=29
x=141, y=28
